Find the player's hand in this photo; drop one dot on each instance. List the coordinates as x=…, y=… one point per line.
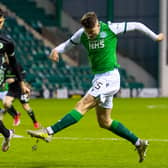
x=24, y=88
x=160, y=37
x=10, y=80
x=54, y=55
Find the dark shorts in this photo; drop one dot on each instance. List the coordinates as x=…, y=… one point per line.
x=15, y=92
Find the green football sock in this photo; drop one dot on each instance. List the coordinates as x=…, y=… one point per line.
x=119, y=129
x=71, y=118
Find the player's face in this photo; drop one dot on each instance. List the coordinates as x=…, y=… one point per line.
x=93, y=32
x=2, y=19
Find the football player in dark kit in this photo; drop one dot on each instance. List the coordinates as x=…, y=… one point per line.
x=7, y=56
x=14, y=92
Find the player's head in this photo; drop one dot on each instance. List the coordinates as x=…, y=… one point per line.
x=2, y=18
x=90, y=23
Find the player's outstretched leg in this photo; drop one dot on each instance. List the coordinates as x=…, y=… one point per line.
x=41, y=133
x=71, y=118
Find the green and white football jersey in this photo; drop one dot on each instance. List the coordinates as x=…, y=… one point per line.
x=102, y=49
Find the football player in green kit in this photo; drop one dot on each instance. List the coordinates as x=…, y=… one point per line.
x=100, y=40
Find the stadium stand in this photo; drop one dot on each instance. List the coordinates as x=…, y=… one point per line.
x=32, y=54
x=30, y=13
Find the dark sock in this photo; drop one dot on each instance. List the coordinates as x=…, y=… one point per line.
x=11, y=110
x=71, y=118
x=3, y=130
x=32, y=115
x=122, y=131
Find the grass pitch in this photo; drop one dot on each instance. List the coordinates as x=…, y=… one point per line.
x=85, y=145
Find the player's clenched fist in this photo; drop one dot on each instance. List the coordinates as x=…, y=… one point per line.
x=54, y=55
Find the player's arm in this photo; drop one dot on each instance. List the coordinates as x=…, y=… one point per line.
x=124, y=27
x=65, y=46
x=131, y=26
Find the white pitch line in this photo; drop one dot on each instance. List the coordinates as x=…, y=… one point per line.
x=88, y=138
x=103, y=139
x=15, y=136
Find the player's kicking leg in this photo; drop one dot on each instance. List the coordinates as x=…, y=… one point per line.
x=45, y=134
x=41, y=133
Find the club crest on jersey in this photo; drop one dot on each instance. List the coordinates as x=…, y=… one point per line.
x=1, y=45
x=103, y=34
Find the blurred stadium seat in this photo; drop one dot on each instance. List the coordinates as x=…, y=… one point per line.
x=28, y=11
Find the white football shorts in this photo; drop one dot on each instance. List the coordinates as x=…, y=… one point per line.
x=105, y=86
